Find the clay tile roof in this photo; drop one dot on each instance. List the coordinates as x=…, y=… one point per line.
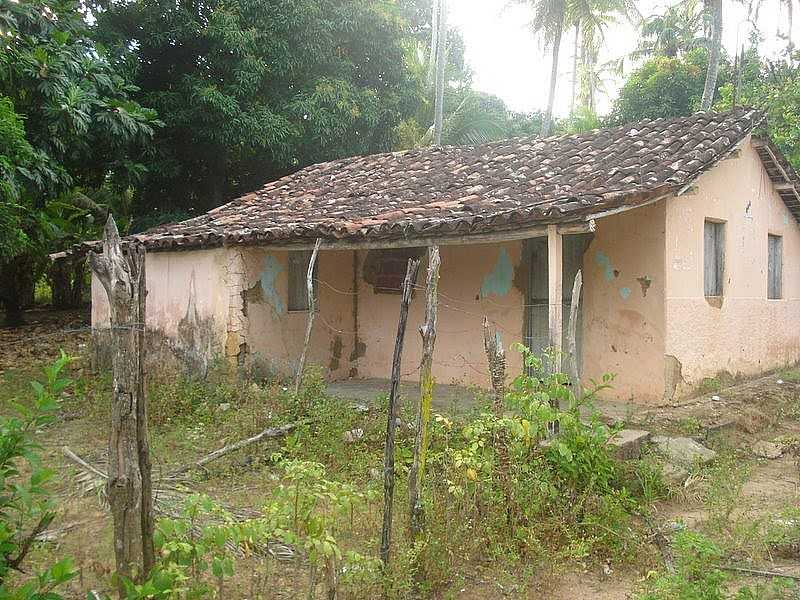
x=465, y=190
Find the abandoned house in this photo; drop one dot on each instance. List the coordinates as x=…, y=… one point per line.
x=685, y=230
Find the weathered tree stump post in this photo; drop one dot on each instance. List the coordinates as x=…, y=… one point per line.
x=572, y=330
x=129, y=471
x=312, y=311
x=391, y=425
x=428, y=333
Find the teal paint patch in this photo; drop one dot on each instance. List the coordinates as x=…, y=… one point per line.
x=605, y=263
x=269, y=277
x=785, y=219
x=499, y=281
x=625, y=293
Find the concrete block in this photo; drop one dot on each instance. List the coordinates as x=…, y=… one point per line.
x=628, y=443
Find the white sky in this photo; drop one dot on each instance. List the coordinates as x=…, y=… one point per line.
x=506, y=59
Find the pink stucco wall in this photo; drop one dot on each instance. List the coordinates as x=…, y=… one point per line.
x=276, y=335
x=645, y=317
x=475, y=280
x=180, y=285
x=746, y=333
x=623, y=303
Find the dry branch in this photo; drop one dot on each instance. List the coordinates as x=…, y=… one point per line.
x=572, y=345
x=388, y=455
x=428, y=333
x=759, y=572
x=312, y=310
x=129, y=486
x=268, y=433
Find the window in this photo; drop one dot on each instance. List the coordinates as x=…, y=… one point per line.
x=774, y=266
x=385, y=269
x=714, y=257
x=298, y=274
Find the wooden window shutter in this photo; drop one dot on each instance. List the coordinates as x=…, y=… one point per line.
x=774, y=267
x=714, y=258
x=298, y=272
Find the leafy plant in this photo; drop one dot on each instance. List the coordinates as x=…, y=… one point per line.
x=26, y=509
x=195, y=552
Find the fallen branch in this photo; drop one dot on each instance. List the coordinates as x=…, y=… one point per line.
x=759, y=572
x=82, y=463
x=169, y=498
x=268, y=433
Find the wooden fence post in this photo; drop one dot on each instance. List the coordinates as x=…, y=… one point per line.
x=312, y=309
x=388, y=454
x=129, y=484
x=572, y=329
x=428, y=333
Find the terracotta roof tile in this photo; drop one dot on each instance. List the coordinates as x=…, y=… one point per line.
x=470, y=189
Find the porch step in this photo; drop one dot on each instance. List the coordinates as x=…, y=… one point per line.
x=628, y=443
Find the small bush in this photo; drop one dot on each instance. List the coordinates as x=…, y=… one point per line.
x=26, y=508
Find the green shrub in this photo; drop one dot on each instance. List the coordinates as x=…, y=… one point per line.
x=26, y=508
x=557, y=495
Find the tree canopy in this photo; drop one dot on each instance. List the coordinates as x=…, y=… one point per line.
x=251, y=90
x=66, y=122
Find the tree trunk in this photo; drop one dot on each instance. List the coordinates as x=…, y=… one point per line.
x=434, y=43
x=66, y=277
x=547, y=123
x=428, y=333
x=17, y=283
x=574, y=69
x=441, y=50
x=713, y=55
x=129, y=486
x=388, y=454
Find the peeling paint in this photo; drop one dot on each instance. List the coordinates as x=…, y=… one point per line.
x=604, y=262
x=672, y=376
x=194, y=341
x=499, y=281
x=269, y=276
x=336, y=353
x=625, y=292
x=645, y=282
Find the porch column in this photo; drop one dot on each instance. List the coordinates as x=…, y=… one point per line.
x=554, y=287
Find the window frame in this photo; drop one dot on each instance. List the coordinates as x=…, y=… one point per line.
x=772, y=294
x=714, y=242
x=303, y=257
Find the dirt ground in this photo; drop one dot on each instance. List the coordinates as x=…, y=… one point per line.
x=730, y=420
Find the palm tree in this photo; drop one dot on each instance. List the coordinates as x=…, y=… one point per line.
x=440, y=48
x=591, y=18
x=789, y=22
x=673, y=33
x=548, y=21
x=715, y=52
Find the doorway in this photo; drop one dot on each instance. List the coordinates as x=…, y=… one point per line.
x=537, y=324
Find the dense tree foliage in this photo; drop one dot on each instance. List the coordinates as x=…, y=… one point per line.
x=774, y=87
x=70, y=125
x=250, y=90
x=239, y=92
x=662, y=87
